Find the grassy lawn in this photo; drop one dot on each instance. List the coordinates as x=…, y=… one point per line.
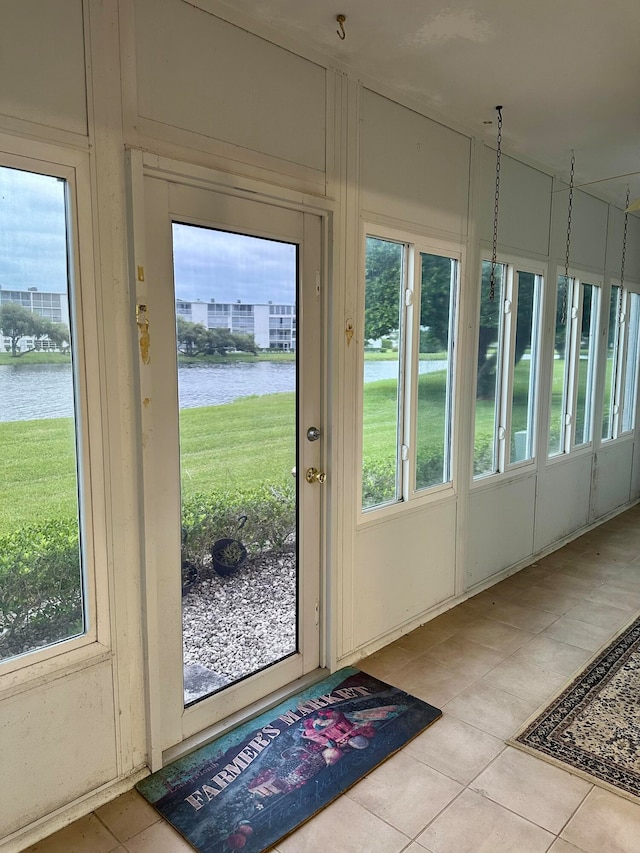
x=34, y=358
x=226, y=447
x=391, y=355
x=235, y=357
x=240, y=443
x=37, y=471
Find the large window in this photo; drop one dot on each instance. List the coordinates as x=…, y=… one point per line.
x=435, y=370
x=628, y=376
x=613, y=341
x=507, y=368
x=43, y=599
x=574, y=365
x=410, y=299
x=621, y=375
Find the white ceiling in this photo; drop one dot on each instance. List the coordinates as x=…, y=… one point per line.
x=567, y=72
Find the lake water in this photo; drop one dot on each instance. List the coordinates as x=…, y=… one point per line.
x=35, y=391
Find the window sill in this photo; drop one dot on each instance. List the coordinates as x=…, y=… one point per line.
x=18, y=676
x=439, y=495
x=578, y=453
x=503, y=478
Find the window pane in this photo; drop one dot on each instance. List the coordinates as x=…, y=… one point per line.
x=41, y=580
x=484, y=455
x=586, y=364
x=384, y=277
x=560, y=377
x=524, y=367
x=237, y=377
x=433, y=429
x=630, y=398
x=610, y=371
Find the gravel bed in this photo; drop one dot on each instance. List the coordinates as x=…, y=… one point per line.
x=235, y=625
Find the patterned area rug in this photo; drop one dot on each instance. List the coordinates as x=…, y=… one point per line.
x=253, y=786
x=593, y=725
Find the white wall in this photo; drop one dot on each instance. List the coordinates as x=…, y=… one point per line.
x=525, y=205
x=42, y=61
x=184, y=84
x=62, y=744
x=413, y=169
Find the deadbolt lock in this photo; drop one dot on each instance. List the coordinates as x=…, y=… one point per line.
x=315, y=476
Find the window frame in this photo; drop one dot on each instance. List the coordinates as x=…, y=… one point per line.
x=507, y=332
x=73, y=166
x=414, y=244
x=618, y=400
x=579, y=278
x=619, y=349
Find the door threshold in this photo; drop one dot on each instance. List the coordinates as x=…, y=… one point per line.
x=233, y=720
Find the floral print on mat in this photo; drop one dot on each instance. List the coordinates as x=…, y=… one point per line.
x=594, y=724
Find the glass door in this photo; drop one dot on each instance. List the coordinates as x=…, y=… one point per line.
x=236, y=299
x=232, y=315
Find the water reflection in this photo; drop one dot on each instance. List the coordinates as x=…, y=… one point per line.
x=30, y=391
x=213, y=384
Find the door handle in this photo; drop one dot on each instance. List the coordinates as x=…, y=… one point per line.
x=315, y=476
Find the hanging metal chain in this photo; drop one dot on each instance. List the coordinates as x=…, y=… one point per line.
x=568, y=249
x=496, y=209
x=624, y=241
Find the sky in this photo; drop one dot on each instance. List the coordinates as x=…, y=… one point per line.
x=208, y=264
x=220, y=265
x=33, y=246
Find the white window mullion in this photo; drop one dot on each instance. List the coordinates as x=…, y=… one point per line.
x=448, y=450
x=629, y=385
x=593, y=359
x=532, y=402
x=408, y=372
x=621, y=357
x=510, y=313
x=574, y=316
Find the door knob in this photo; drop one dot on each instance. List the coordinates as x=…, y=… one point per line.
x=315, y=476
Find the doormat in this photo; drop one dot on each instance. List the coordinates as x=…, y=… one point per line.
x=256, y=784
x=592, y=727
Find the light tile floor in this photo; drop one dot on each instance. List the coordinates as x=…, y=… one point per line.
x=457, y=788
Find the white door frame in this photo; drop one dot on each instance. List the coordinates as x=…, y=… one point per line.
x=169, y=725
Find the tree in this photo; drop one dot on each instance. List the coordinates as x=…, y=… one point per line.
x=245, y=343
x=435, y=301
x=217, y=341
x=195, y=339
x=58, y=333
x=383, y=281
x=17, y=322
x=382, y=305
x=190, y=336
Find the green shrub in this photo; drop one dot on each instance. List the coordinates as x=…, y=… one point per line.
x=271, y=517
x=429, y=467
x=40, y=586
x=205, y=518
x=378, y=482
x=379, y=477
x=270, y=524
x=483, y=461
